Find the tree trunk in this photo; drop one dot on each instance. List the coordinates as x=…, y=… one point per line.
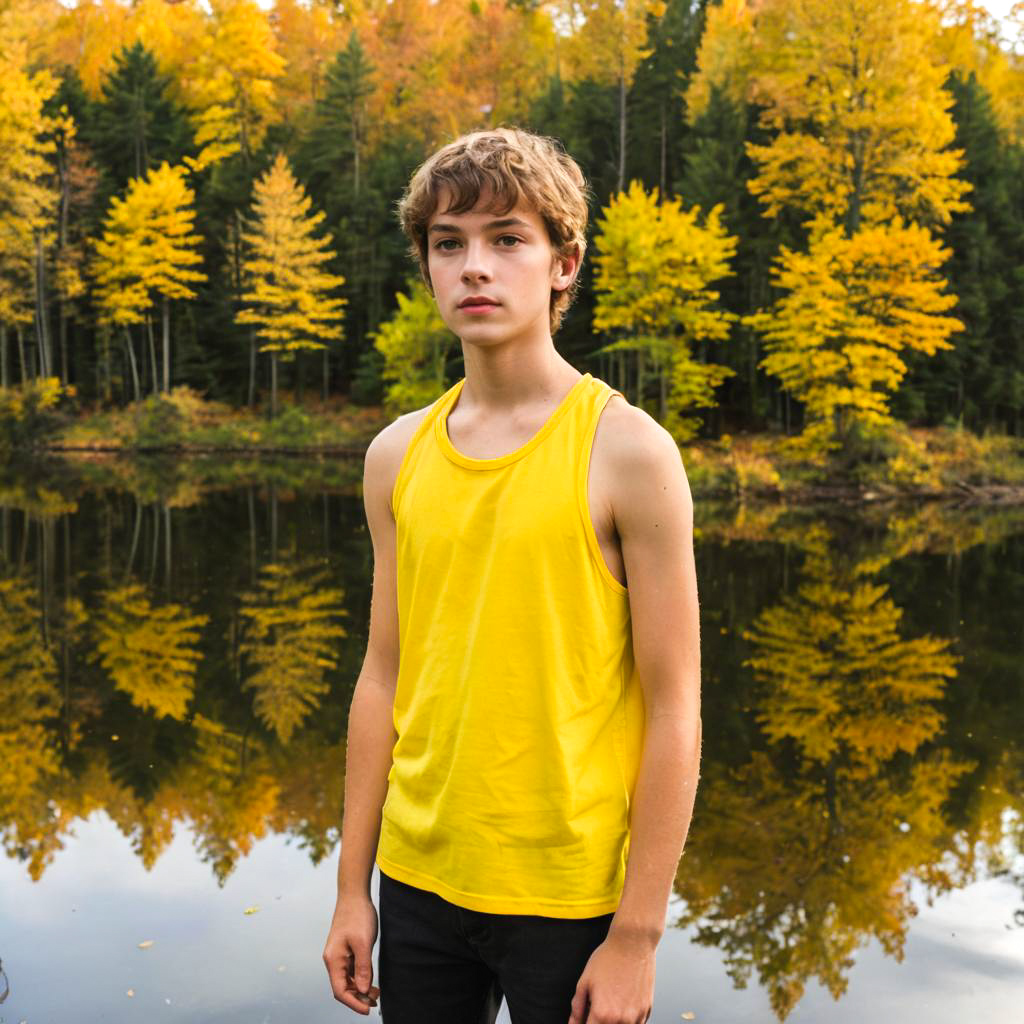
x=640, y=378
x=131, y=360
x=21, y=354
x=42, y=333
x=64, y=375
x=167, y=345
x=664, y=151
x=622, y=127
x=152, y=354
x=300, y=376
x=327, y=372
x=167, y=548
x=273, y=385
x=4, y=381
x=252, y=369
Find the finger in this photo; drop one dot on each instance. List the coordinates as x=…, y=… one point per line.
x=579, y=1001
x=363, y=967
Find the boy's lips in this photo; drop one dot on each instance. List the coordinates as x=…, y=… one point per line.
x=478, y=305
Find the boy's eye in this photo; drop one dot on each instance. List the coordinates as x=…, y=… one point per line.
x=503, y=240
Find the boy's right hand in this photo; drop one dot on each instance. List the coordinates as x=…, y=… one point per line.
x=347, y=954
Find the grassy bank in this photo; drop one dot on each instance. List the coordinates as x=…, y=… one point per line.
x=937, y=462
x=186, y=423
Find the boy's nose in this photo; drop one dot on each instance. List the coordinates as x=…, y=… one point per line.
x=476, y=264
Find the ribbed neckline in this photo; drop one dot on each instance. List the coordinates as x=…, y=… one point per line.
x=441, y=429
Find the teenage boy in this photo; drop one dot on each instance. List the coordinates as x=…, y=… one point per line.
x=524, y=737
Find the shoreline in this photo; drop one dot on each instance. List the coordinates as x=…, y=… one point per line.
x=960, y=492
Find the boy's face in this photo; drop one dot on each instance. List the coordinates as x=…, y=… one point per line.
x=504, y=258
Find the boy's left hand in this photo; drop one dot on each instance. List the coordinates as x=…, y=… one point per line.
x=617, y=985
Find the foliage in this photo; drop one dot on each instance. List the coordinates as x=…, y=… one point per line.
x=137, y=125
x=232, y=87
x=27, y=198
x=287, y=289
x=293, y=427
x=655, y=264
x=158, y=422
x=29, y=413
x=415, y=344
x=147, y=248
x=851, y=306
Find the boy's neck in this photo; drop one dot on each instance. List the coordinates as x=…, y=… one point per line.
x=504, y=378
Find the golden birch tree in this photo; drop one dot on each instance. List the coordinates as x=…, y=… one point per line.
x=28, y=200
x=287, y=288
x=147, y=252
x=852, y=94
x=231, y=84
x=654, y=266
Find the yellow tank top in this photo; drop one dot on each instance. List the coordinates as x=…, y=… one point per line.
x=519, y=713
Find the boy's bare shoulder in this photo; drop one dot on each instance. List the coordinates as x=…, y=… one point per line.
x=387, y=449
x=627, y=437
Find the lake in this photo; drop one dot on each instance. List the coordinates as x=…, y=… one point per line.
x=179, y=641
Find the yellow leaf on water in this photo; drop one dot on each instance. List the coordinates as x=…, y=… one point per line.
x=689, y=1016
x=253, y=909
x=130, y=992
x=146, y=944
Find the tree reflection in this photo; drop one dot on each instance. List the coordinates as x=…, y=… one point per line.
x=805, y=852
x=289, y=641
x=149, y=651
x=29, y=751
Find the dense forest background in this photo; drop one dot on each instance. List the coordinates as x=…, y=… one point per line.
x=147, y=146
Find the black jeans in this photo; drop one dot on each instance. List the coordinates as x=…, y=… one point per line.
x=443, y=964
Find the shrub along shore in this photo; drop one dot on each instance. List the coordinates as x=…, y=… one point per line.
x=905, y=462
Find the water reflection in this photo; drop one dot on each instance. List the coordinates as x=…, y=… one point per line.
x=178, y=644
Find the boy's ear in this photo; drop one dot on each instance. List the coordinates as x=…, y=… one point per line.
x=565, y=269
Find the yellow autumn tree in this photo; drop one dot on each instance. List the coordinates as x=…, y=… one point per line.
x=973, y=40
x=146, y=253
x=850, y=306
x=654, y=266
x=289, y=641
x=231, y=84
x=852, y=97
x=28, y=201
x=415, y=344
x=287, y=287
x=149, y=650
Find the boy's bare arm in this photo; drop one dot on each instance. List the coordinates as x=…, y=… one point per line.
x=371, y=735
x=653, y=515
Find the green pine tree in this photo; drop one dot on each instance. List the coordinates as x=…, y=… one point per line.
x=137, y=123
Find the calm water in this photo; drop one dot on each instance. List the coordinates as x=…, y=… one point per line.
x=178, y=647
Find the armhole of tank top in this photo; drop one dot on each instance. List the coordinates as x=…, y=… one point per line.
x=583, y=488
x=422, y=427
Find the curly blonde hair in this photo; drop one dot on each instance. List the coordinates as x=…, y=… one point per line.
x=509, y=164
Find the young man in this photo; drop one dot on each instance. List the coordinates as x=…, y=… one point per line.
x=524, y=737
